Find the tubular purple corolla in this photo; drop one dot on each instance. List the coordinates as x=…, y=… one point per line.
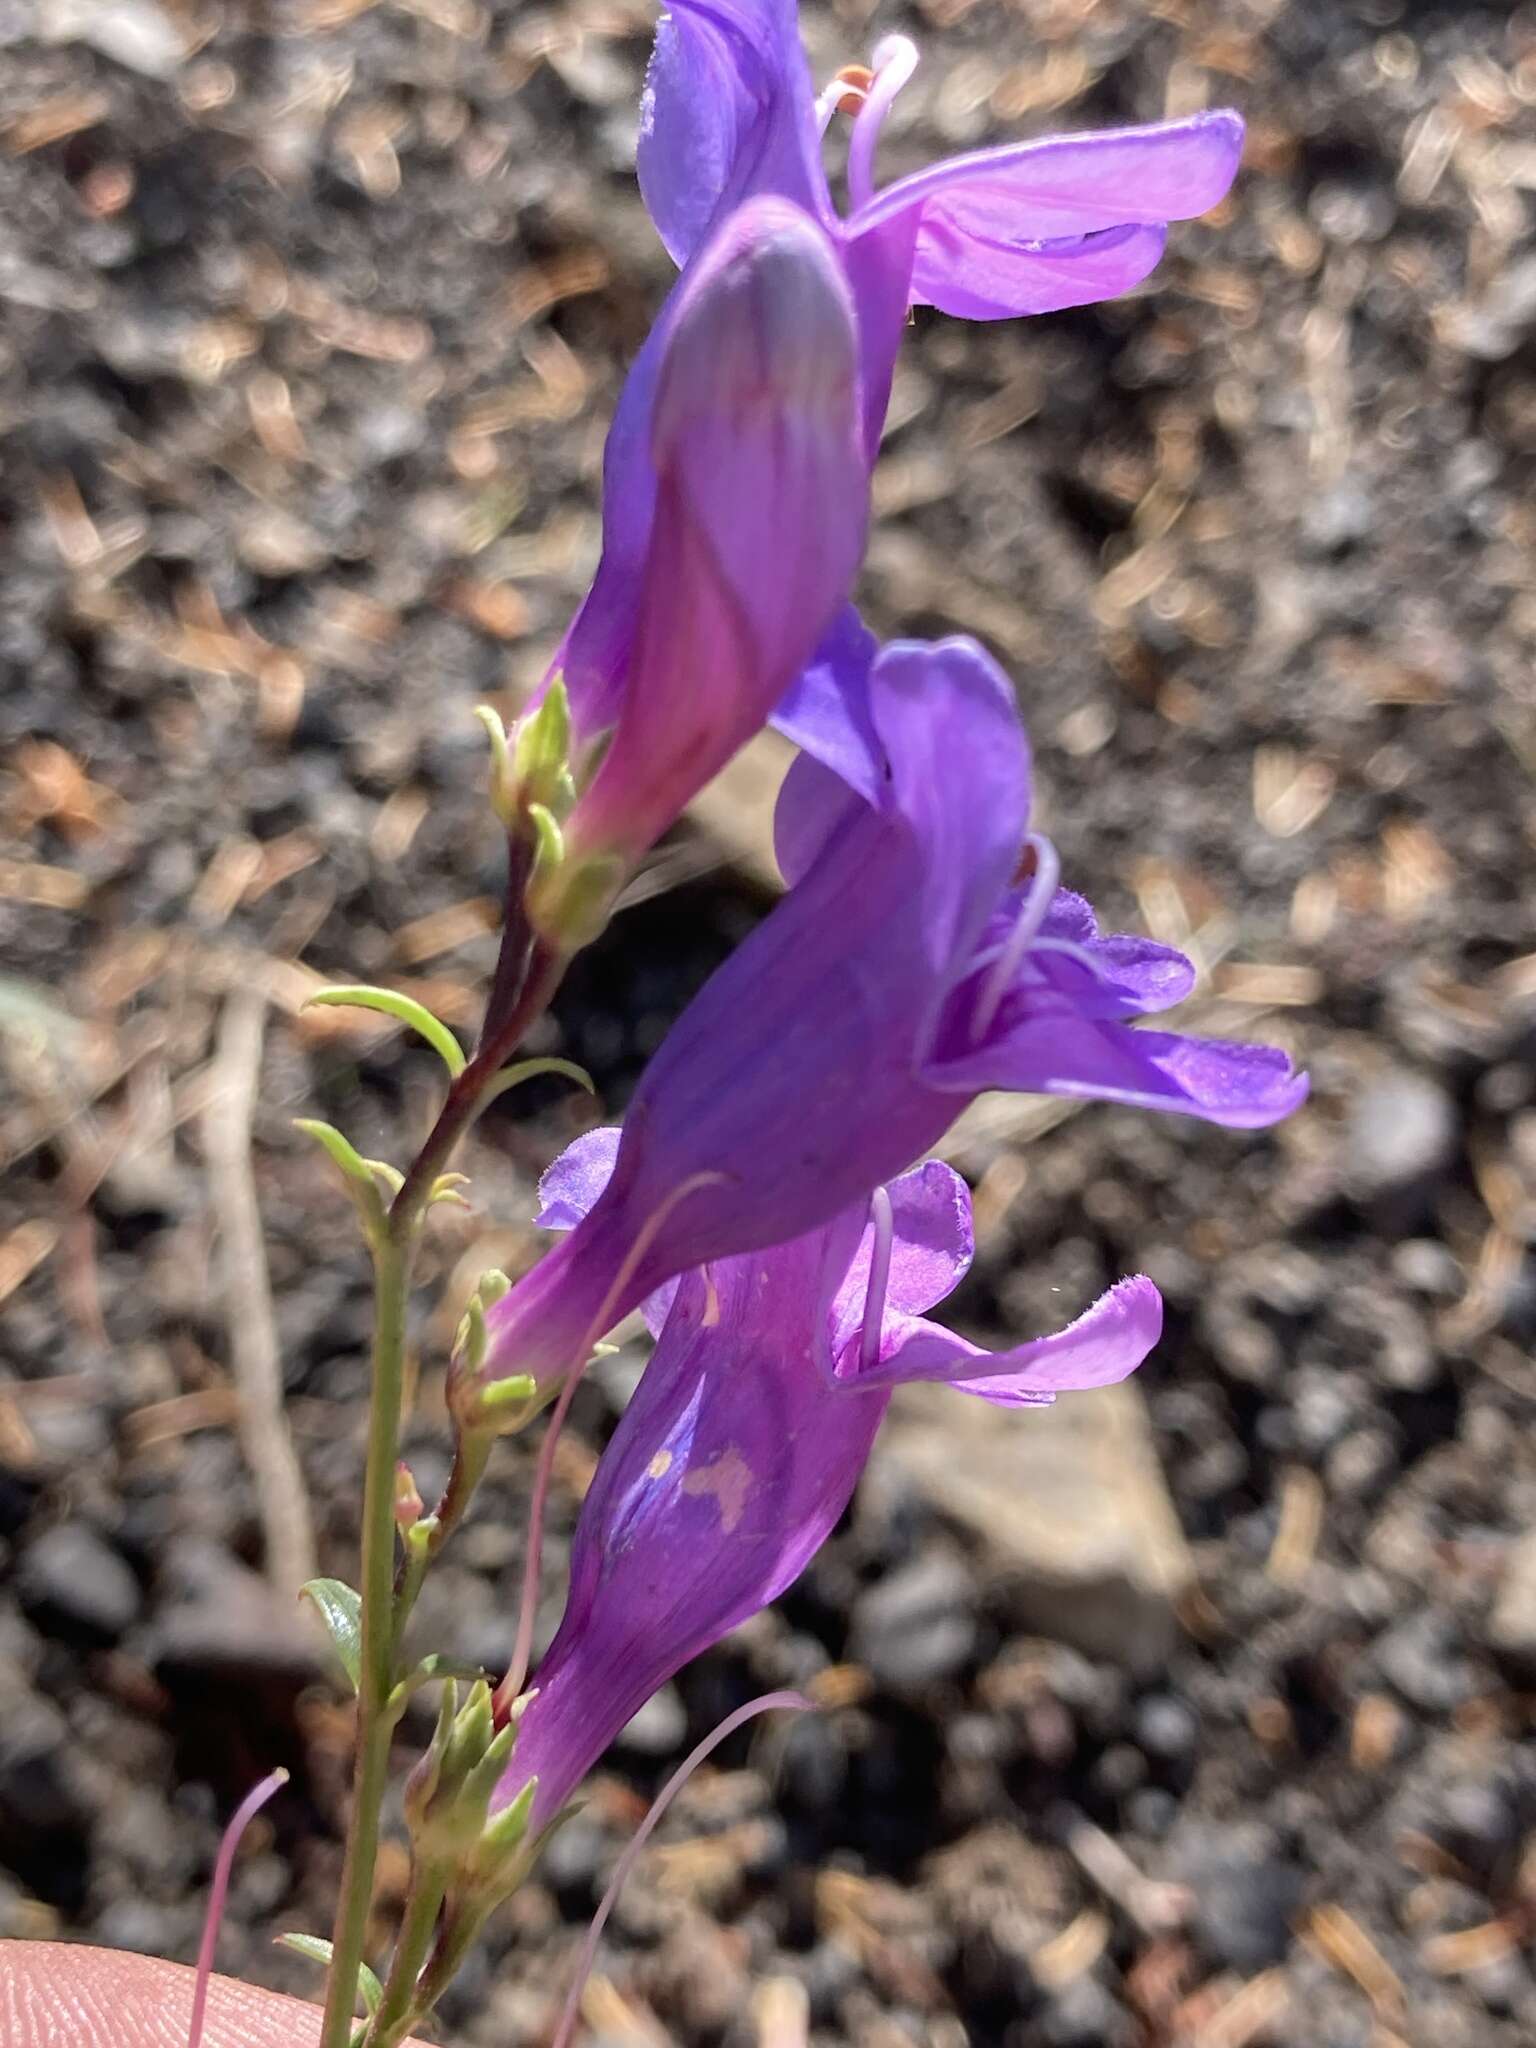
x=522, y=1648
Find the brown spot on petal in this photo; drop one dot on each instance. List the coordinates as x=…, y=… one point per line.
x=729, y=1479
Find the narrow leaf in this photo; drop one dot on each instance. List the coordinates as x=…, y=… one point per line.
x=344, y=1154
x=406, y=1010
x=311, y=1946
x=319, y=1951
x=528, y=1070
x=387, y=1176
x=431, y=1668
x=341, y=1609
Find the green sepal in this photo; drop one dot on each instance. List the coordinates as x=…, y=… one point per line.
x=387, y=1176
x=569, y=903
x=528, y=1070
x=354, y=1169
x=503, y=1836
x=420, y=1789
x=484, y=1778
x=319, y=1951
x=405, y=1010
x=541, y=755
x=503, y=801
x=469, y=1340
x=494, y=1407
x=549, y=842
x=340, y=1607
x=503, y=1394
x=470, y=1735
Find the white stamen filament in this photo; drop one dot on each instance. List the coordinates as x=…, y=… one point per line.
x=895, y=61
x=1032, y=914
x=836, y=95
x=879, y=1278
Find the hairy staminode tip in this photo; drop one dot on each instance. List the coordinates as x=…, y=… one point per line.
x=767, y=322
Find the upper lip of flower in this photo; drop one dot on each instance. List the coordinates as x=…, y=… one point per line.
x=730, y=108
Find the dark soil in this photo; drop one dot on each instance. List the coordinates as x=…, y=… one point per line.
x=308, y=347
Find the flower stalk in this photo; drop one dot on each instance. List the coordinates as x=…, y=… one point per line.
x=527, y=976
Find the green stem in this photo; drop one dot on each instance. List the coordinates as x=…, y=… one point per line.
x=391, y=1291
x=398, y=2008
x=455, y=1937
x=529, y=984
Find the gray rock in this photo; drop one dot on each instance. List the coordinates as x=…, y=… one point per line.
x=918, y=1625
x=1071, y=1499
x=1400, y=1139
x=1247, y=1894
x=219, y=1622
x=72, y=1584
x=41, y=1793
x=659, y=1727
x=1422, y=1658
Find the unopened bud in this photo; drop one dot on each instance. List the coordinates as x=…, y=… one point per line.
x=761, y=506
x=407, y=1498
x=766, y=331
x=481, y=1406
x=541, y=754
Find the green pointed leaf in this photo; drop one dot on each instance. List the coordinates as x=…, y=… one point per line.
x=528, y=1070
x=344, y=1154
x=405, y=1009
x=309, y=1945
x=341, y=1609
x=319, y=1951
x=361, y=1185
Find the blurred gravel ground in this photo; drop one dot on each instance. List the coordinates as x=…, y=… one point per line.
x=311, y=319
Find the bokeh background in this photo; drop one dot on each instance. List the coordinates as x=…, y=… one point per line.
x=1197, y=1715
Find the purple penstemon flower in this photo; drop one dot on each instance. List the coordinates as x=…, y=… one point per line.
x=749, y=1429
x=1029, y=227
x=908, y=969
x=730, y=114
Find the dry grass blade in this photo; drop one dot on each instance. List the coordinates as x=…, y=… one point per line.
x=1340, y=1940
x=227, y=1120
